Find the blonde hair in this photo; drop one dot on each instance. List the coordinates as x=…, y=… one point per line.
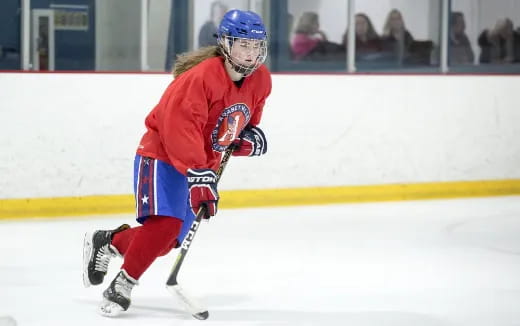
x=188, y=60
x=306, y=23
x=386, y=28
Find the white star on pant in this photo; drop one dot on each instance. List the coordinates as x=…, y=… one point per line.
x=144, y=199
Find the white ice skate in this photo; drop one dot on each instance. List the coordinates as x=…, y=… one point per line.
x=116, y=298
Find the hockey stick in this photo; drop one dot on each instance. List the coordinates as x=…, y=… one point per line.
x=171, y=284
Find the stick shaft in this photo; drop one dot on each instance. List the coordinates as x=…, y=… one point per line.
x=172, y=278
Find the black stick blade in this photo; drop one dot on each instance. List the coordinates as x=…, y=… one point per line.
x=202, y=315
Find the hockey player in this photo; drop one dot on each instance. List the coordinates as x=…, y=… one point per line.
x=215, y=100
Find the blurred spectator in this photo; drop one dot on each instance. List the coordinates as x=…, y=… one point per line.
x=208, y=30
x=309, y=42
x=460, y=47
x=501, y=44
x=368, y=43
x=396, y=38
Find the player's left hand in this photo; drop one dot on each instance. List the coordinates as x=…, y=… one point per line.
x=250, y=142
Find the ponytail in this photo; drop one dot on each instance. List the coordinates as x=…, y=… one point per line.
x=188, y=60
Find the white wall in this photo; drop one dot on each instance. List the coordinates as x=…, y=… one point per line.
x=76, y=134
x=158, y=23
x=118, y=35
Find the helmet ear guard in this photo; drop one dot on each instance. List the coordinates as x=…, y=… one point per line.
x=239, y=25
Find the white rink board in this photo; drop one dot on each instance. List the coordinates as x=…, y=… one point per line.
x=76, y=134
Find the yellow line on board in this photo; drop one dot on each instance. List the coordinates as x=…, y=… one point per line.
x=66, y=206
x=116, y=204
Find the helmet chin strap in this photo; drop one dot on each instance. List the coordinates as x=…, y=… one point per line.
x=232, y=71
x=241, y=69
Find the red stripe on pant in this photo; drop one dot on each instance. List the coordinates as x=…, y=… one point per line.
x=151, y=189
x=140, y=187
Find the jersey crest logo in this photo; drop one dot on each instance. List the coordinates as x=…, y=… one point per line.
x=229, y=125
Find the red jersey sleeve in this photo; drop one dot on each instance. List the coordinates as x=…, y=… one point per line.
x=181, y=124
x=257, y=116
x=265, y=80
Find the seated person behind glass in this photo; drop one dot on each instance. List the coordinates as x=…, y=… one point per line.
x=396, y=39
x=207, y=33
x=368, y=43
x=309, y=42
x=501, y=44
x=460, y=47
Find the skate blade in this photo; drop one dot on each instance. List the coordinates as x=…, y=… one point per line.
x=87, y=256
x=110, y=309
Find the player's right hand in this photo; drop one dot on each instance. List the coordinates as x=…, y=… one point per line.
x=250, y=142
x=202, y=185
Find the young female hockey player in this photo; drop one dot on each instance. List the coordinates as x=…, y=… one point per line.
x=215, y=100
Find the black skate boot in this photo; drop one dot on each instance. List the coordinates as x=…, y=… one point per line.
x=116, y=298
x=97, y=252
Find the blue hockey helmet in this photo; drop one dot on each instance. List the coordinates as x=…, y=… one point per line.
x=243, y=24
x=246, y=26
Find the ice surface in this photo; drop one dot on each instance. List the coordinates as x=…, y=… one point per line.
x=427, y=263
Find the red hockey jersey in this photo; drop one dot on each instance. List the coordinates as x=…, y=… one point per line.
x=201, y=112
